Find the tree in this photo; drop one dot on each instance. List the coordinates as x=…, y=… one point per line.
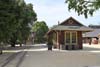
x=15, y=19
x=7, y=20
x=83, y=7
x=40, y=28
x=8, y=23
x=26, y=18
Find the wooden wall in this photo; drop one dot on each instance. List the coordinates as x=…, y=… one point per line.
x=80, y=40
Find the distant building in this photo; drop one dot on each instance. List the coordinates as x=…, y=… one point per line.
x=68, y=34
x=92, y=37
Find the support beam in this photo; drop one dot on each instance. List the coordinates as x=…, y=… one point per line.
x=57, y=39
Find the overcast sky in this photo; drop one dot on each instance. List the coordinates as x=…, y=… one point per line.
x=52, y=11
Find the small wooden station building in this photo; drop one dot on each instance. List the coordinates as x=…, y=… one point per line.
x=68, y=34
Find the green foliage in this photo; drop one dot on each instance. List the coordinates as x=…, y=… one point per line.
x=40, y=28
x=7, y=19
x=83, y=7
x=16, y=19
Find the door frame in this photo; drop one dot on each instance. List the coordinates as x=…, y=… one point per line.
x=71, y=38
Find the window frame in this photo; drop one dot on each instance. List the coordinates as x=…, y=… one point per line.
x=71, y=37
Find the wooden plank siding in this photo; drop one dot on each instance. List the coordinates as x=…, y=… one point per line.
x=61, y=40
x=80, y=39
x=71, y=22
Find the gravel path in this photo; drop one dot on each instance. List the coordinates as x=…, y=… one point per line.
x=38, y=56
x=88, y=57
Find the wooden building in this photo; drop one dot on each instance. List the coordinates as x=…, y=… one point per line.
x=68, y=34
x=92, y=37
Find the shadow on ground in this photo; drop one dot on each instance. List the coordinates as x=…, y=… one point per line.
x=42, y=46
x=25, y=47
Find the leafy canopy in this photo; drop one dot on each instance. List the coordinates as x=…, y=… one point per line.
x=83, y=7
x=40, y=28
x=16, y=19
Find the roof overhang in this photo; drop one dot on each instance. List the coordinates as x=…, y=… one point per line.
x=73, y=28
x=69, y=28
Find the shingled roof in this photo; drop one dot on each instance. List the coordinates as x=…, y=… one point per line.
x=69, y=27
x=94, y=33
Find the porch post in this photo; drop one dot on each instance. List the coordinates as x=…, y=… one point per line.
x=57, y=39
x=64, y=37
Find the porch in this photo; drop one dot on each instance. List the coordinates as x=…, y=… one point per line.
x=67, y=40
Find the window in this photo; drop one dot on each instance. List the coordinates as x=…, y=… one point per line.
x=74, y=37
x=71, y=37
x=70, y=21
x=67, y=37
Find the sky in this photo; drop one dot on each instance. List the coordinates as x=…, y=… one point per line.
x=52, y=11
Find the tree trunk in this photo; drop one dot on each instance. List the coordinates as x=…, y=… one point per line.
x=13, y=44
x=20, y=45
x=1, y=48
x=0, y=51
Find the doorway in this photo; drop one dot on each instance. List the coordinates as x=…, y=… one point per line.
x=70, y=39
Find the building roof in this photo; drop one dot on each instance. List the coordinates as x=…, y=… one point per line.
x=70, y=25
x=94, y=33
x=94, y=26
x=71, y=18
x=71, y=28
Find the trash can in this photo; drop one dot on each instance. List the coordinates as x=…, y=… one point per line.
x=49, y=47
